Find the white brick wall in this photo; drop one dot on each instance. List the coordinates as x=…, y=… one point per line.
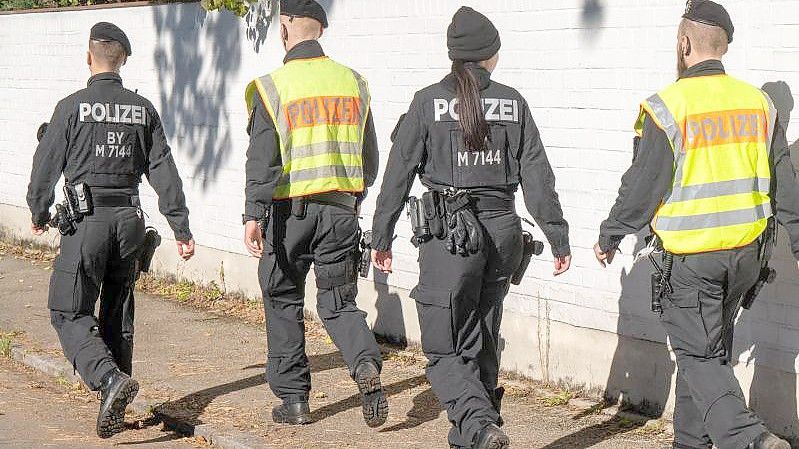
x=583, y=83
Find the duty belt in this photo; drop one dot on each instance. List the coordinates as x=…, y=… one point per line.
x=343, y=199
x=487, y=203
x=116, y=200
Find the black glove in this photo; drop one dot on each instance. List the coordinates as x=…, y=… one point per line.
x=474, y=231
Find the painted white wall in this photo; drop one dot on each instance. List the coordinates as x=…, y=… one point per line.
x=583, y=66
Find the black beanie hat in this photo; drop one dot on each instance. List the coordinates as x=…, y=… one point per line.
x=471, y=36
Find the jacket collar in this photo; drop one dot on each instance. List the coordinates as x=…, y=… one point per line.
x=705, y=68
x=304, y=50
x=106, y=77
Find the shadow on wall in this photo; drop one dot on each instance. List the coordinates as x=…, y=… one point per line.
x=591, y=19
x=641, y=371
x=772, y=393
x=196, y=55
x=389, y=322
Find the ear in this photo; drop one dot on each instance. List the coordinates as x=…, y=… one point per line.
x=88, y=58
x=284, y=32
x=685, y=46
x=124, y=61
x=321, y=32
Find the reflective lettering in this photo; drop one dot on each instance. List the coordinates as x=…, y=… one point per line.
x=496, y=110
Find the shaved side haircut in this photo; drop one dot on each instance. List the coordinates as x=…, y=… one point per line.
x=302, y=28
x=110, y=54
x=706, y=39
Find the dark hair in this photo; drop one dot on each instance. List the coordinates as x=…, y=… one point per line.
x=470, y=107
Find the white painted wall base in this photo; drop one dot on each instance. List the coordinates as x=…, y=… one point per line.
x=626, y=369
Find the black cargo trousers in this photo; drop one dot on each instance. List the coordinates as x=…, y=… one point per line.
x=327, y=236
x=459, y=302
x=699, y=319
x=97, y=261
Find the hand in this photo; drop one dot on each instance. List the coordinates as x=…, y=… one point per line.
x=254, y=239
x=604, y=259
x=382, y=260
x=38, y=230
x=562, y=265
x=186, y=249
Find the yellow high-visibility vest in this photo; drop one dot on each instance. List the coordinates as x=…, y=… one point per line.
x=721, y=131
x=319, y=108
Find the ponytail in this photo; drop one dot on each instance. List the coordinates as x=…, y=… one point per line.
x=470, y=108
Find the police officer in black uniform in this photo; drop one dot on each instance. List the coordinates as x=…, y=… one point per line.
x=103, y=139
x=472, y=141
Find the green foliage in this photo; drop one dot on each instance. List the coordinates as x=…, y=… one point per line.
x=18, y=5
x=237, y=7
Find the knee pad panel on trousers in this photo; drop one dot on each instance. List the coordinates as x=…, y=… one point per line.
x=434, y=307
x=66, y=286
x=336, y=274
x=338, y=299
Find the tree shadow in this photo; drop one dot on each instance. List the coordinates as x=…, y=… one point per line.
x=196, y=55
x=390, y=322
x=641, y=370
x=772, y=394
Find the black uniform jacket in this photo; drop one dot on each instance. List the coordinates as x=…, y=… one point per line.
x=650, y=177
x=428, y=142
x=108, y=137
x=264, y=165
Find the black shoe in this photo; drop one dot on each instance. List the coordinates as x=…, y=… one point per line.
x=496, y=400
x=116, y=392
x=768, y=440
x=491, y=437
x=375, y=406
x=296, y=413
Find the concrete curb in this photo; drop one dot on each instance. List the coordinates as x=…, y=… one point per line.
x=222, y=439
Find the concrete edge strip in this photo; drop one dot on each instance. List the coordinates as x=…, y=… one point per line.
x=58, y=368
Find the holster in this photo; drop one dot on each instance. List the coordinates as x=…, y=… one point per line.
x=419, y=223
x=365, y=254
x=661, y=277
x=433, y=209
x=76, y=205
x=152, y=240
x=530, y=247
x=767, y=274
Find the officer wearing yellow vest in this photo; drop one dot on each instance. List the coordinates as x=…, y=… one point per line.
x=707, y=179
x=312, y=154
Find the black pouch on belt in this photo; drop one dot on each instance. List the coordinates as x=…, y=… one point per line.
x=433, y=212
x=298, y=206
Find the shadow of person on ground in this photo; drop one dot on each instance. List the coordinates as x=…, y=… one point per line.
x=772, y=394
x=641, y=370
x=354, y=401
x=190, y=407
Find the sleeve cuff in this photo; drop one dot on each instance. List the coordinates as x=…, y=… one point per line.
x=40, y=219
x=561, y=250
x=609, y=243
x=380, y=243
x=183, y=235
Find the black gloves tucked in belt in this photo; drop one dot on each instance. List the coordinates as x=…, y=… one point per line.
x=464, y=233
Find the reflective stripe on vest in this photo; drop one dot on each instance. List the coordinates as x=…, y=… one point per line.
x=319, y=109
x=720, y=130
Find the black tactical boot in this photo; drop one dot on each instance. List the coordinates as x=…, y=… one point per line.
x=491, y=437
x=116, y=392
x=496, y=400
x=768, y=440
x=375, y=406
x=296, y=413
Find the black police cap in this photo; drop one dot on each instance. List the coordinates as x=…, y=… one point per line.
x=107, y=32
x=709, y=13
x=304, y=8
